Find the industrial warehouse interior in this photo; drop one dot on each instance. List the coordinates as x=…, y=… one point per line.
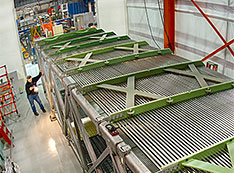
x=117, y=86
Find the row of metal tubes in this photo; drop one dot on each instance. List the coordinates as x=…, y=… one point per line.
x=167, y=141
x=115, y=72
x=154, y=128
x=150, y=151
x=151, y=84
x=197, y=133
x=225, y=97
x=98, y=102
x=122, y=71
x=221, y=113
x=228, y=94
x=153, y=144
x=142, y=147
x=224, y=116
x=118, y=99
x=98, y=57
x=92, y=77
x=204, y=119
x=223, y=157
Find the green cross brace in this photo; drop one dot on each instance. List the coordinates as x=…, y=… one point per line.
x=195, y=73
x=90, y=44
x=141, y=74
x=103, y=37
x=116, y=60
x=67, y=36
x=135, y=48
x=130, y=91
x=78, y=40
x=166, y=101
x=195, y=160
x=66, y=45
x=86, y=58
x=100, y=51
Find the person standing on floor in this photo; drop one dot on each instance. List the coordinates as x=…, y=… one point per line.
x=32, y=93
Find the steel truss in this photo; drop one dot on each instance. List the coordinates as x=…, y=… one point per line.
x=70, y=107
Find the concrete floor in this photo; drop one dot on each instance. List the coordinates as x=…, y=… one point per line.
x=40, y=146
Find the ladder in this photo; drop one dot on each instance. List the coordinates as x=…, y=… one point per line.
x=5, y=133
x=7, y=100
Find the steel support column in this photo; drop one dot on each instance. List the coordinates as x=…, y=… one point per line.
x=169, y=24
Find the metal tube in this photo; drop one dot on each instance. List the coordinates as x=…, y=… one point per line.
x=86, y=107
x=78, y=141
x=47, y=84
x=135, y=164
x=57, y=92
x=87, y=142
x=57, y=110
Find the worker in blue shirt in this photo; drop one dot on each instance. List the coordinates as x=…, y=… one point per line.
x=32, y=93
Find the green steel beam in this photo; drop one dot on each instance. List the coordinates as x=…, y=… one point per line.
x=78, y=40
x=194, y=160
x=230, y=147
x=208, y=167
x=130, y=91
x=94, y=43
x=118, y=60
x=130, y=97
x=166, y=101
x=140, y=74
x=69, y=35
x=198, y=76
x=195, y=73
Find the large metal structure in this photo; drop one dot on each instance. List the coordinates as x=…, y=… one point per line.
x=126, y=107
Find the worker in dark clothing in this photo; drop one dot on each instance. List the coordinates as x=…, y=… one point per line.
x=32, y=93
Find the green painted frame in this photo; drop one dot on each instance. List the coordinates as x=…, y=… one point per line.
x=135, y=110
x=93, y=43
x=117, y=60
x=194, y=160
x=140, y=74
x=78, y=40
x=166, y=101
x=67, y=36
x=99, y=51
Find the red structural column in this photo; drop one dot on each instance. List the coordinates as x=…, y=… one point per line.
x=169, y=24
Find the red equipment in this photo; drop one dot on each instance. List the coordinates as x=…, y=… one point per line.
x=5, y=133
x=8, y=105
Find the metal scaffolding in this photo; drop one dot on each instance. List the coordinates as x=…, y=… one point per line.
x=126, y=107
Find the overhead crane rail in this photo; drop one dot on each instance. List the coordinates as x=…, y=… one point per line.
x=153, y=111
